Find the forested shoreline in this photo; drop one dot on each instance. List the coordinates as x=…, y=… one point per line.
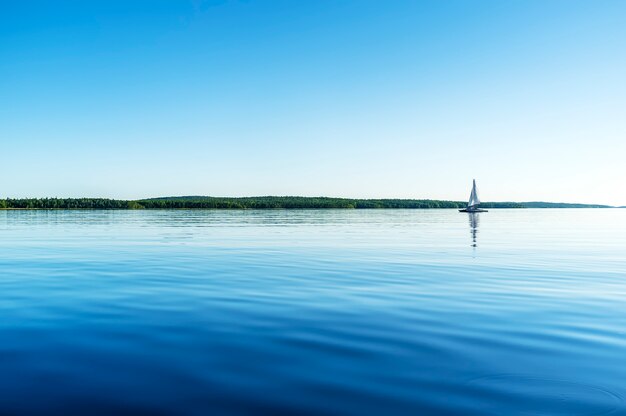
x=265, y=202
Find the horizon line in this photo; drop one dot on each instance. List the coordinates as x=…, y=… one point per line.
x=318, y=196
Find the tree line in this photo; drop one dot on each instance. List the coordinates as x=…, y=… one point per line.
x=67, y=203
x=265, y=202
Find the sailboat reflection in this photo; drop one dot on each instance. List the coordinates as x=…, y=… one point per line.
x=474, y=221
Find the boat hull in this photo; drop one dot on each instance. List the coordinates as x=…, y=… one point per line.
x=473, y=210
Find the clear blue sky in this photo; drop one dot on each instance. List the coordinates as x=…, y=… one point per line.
x=408, y=99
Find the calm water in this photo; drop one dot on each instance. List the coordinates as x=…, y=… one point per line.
x=313, y=312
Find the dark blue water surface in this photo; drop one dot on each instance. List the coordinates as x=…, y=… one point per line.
x=393, y=312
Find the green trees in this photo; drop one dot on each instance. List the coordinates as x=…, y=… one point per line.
x=134, y=205
x=297, y=202
x=65, y=203
x=263, y=202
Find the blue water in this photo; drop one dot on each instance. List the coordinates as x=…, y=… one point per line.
x=394, y=312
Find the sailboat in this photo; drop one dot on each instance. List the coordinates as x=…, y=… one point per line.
x=472, y=205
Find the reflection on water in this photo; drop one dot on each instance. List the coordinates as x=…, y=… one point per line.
x=474, y=220
x=350, y=312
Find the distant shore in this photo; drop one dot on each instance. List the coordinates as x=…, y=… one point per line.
x=264, y=202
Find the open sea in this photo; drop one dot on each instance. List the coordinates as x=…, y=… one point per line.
x=338, y=312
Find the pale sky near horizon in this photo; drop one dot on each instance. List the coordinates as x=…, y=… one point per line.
x=359, y=98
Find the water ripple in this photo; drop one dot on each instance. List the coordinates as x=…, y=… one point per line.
x=313, y=312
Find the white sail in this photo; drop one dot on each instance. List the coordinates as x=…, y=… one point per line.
x=473, y=199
